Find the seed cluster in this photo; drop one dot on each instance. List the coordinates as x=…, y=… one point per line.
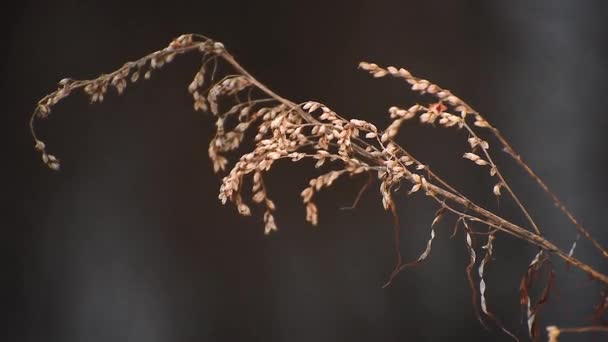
x=282, y=130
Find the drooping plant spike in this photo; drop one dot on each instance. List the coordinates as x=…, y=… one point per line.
x=290, y=131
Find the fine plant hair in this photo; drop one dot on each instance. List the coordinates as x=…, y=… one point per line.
x=284, y=130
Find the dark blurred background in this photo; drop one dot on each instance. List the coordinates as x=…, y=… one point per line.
x=130, y=243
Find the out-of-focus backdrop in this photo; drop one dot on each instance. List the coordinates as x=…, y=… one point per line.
x=130, y=243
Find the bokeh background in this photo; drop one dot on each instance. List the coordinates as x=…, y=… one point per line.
x=130, y=243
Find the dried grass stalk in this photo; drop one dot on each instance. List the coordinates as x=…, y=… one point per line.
x=285, y=130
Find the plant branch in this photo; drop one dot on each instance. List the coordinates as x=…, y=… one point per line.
x=288, y=130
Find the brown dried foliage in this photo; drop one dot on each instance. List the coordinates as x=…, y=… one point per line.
x=285, y=130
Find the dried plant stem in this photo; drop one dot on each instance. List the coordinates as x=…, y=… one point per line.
x=517, y=231
x=230, y=59
x=365, y=186
x=495, y=221
x=508, y=148
x=505, y=184
x=312, y=131
x=556, y=200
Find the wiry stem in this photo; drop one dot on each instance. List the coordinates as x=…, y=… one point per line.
x=556, y=200
x=505, y=184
